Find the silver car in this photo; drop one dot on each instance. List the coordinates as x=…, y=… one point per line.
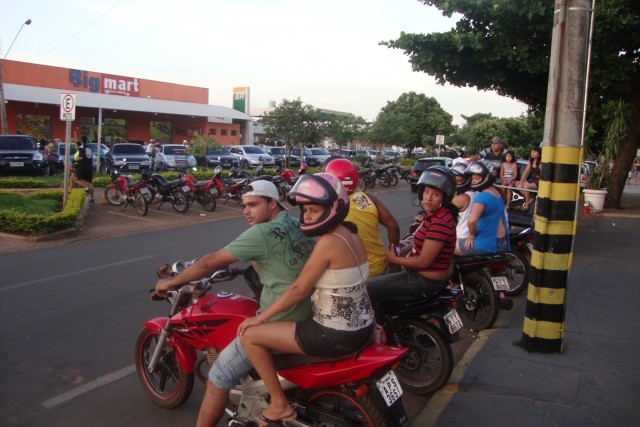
x=172, y=157
x=251, y=156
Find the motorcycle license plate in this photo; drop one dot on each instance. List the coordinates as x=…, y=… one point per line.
x=389, y=387
x=144, y=191
x=500, y=283
x=530, y=246
x=213, y=191
x=185, y=188
x=453, y=321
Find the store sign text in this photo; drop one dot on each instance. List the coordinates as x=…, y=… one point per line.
x=104, y=83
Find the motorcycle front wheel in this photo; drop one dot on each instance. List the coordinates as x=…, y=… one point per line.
x=362, y=185
x=141, y=204
x=208, y=202
x=179, y=201
x=518, y=271
x=479, y=305
x=169, y=386
x=343, y=403
x=428, y=364
x=114, y=196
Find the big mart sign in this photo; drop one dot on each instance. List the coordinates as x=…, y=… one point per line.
x=104, y=83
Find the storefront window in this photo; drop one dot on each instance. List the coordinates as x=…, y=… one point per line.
x=113, y=130
x=38, y=126
x=161, y=131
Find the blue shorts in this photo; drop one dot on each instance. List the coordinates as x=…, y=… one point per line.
x=232, y=364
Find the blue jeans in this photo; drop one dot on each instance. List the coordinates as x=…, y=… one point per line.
x=232, y=364
x=502, y=245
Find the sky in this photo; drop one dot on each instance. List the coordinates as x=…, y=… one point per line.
x=325, y=52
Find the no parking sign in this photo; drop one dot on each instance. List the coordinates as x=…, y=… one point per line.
x=68, y=106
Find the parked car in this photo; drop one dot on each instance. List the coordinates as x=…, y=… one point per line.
x=320, y=153
x=127, y=157
x=103, y=152
x=220, y=156
x=390, y=156
x=348, y=153
x=307, y=156
x=56, y=157
x=279, y=154
x=19, y=153
x=250, y=156
x=422, y=164
x=173, y=157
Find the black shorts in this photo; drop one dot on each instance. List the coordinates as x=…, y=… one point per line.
x=317, y=340
x=84, y=174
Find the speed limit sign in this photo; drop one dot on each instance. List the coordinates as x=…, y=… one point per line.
x=68, y=106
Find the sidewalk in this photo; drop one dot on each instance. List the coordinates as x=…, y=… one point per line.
x=596, y=380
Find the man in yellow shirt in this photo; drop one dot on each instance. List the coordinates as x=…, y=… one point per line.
x=366, y=211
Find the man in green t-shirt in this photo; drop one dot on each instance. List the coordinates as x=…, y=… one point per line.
x=279, y=250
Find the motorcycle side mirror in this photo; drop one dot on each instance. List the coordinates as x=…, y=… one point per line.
x=164, y=271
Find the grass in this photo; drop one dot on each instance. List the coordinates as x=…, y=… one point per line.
x=21, y=204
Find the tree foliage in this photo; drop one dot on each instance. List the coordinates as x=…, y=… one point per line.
x=344, y=129
x=504, y=45
x=294, y=123
x=411, y=121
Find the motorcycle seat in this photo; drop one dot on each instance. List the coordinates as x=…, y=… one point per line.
x=283, y=361
x=457, y=260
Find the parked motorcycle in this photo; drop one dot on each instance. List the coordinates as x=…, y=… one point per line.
x=230, y=189
x=357, y=390
x=123, y=191
x=203, y=192
x=519, y=267
x=176, y=192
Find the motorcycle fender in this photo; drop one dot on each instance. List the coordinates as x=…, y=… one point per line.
x=110, y=186
x=186, y=355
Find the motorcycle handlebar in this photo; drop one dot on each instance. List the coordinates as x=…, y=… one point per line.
x=222, y=275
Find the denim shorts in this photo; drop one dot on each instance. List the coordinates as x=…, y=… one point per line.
x=232, y=364
x=502, y=245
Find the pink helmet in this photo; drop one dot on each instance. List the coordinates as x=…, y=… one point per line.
x=321, y=189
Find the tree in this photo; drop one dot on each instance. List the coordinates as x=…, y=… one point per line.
x=411, y=121
x=293, y=123
x=200, y=144
x=345, y=129
x=504, y=45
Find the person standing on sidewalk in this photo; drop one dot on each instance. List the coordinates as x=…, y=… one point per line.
x=84, y=172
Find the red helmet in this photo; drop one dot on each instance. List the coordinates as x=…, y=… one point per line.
x=346, y=171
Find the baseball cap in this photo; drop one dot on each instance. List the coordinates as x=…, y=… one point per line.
x=263, y=188
x=496, y=139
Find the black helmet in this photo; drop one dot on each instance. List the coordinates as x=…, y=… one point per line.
x=485, y=170
x=440, y=178
x=459, y=170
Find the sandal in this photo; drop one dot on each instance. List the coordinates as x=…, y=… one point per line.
x=264, y=421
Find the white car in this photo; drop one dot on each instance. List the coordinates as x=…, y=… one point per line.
x=320, y=153
x=172, y=157
x=250, y=156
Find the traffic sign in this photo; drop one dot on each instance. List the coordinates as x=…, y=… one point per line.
x=439, y=139
x=68, y=106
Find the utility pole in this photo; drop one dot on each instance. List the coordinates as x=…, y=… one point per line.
x=3, y=107
x=559, y=189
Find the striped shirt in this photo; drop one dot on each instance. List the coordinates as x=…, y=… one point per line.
x=439, y=226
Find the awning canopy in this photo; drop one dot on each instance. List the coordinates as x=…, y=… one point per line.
x=42, y=95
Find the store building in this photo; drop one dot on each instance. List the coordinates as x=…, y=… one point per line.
x=130, y=108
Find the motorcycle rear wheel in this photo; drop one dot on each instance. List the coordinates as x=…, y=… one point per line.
x=342, y=401
x=169, y=386
x=362, y=185
x=518, y=272
x=208, y=202
x=479, y=305
x=141, y=204
x=114, y=196
x=428, y=364
x=179, y=201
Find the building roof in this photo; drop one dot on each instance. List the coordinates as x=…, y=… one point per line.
x=214, y=113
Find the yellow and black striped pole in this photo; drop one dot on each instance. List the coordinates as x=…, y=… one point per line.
x=555, y=227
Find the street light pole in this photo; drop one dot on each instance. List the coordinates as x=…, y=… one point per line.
x=3, y=107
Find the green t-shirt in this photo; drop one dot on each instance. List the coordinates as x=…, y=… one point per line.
x=280, y=250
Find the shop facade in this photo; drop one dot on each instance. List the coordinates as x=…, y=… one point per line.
x=119, y=108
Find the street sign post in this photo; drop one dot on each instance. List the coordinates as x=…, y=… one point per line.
x=68, y=106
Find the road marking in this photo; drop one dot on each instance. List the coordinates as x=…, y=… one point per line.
x=131, y=216
x=91, y=385
x=72, y=273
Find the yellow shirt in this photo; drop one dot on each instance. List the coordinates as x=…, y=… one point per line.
x=364, y=214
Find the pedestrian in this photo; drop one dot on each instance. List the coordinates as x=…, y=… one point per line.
x=494, y=154
x=84, y=170
x=636, y=168
x=508, y=174
x=530, y=177
x=278, y=248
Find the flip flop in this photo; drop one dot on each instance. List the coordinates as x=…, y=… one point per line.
x=264, y=421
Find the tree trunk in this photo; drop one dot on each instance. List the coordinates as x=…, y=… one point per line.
x=626, y=155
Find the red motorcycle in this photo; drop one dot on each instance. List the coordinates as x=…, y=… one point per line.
x=203, y=192
x=230, y=189
x=357, y=390
x=123, y=191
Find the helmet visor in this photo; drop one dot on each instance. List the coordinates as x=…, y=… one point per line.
x=311, y=189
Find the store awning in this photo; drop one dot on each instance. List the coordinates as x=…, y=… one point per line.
x=214, y=113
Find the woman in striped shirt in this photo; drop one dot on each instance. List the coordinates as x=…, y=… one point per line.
x=428, y=263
